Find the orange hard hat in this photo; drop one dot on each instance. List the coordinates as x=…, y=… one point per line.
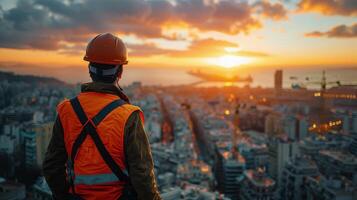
x=106, y=49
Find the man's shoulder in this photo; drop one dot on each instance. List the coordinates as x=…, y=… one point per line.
x=131, y=107
x=62, y=104
x=133, y=112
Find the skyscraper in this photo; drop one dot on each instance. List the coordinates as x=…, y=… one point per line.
x=294, y=176
x=278, y=80
x=228, y=170
x=36, y=139
x=280, y=151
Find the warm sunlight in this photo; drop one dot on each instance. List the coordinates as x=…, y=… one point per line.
x=278, y=74
x=229, y=61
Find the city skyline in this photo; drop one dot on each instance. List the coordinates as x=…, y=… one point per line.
x=207, y=143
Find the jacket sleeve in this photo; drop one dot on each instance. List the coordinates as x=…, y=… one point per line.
x=139, y=159
x=54, y=163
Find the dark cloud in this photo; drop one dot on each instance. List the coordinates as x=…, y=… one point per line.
x=50, y=24
x=341, y=31
x=143, y=50
x=330, y=7
x=29, y=25
x=229, y=17
x=274, y=11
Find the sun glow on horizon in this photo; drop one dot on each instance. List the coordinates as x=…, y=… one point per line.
x=229, y=61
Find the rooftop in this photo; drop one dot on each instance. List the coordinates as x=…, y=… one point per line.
x=259, y=178
x=344, y=157
x=302, y=163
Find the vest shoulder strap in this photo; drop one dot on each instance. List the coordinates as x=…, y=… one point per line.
x=106, y=110
x=89, y=128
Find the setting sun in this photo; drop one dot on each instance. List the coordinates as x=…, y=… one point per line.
x=229, y=61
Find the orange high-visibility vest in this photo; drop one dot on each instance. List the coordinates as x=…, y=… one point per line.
x=92, y=177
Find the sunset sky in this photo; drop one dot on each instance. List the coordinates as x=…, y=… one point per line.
x=181, y=33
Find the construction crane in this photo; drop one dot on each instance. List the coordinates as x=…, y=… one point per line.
x=323, y=82
x=325, y=123
x=236, y=130
x=323, y=86
x=234, y=116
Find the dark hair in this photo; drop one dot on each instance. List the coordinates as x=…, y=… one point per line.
x=97, y=77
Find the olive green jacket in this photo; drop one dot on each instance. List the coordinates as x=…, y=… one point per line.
x=136, y=147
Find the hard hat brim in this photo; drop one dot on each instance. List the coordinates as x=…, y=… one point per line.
x=119, y=62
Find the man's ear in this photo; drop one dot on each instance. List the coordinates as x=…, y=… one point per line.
x=120, y=72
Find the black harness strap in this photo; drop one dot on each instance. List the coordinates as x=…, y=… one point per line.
x=83, y=119
x=106, y=110
x=89, y=127
x=79, y=110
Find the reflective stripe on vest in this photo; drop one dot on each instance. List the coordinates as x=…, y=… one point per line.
x=93, y=179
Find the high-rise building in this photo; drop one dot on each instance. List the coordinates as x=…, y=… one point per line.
x=278, y=80
x=280, y=151
x=303, y=127
x=349, y=121
x=229, y=169
x=37, y=138
x=10, y=138
x=257, y=186
x=296, y=127
x=255, y=156
x=346, y=123
x=273, y=124
x=294, y=176
x=290, y=127
x=30, y=148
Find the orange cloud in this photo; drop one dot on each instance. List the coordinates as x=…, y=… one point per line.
x=330, y=7
x=198, y=48
x=205, y=48
x=143, y=50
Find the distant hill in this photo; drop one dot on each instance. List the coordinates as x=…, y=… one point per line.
x=30, y=79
